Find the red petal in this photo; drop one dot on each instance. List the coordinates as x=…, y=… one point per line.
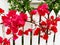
x=33, y=12
x=42, y=13
x=48, y=22
x=8, y=43
x=5, y=40
x=54, y=29
x=45, y=36
x=57, y=19
x=52, y=17
x=42, y=9
x=20, y=33
x=1, y=10
x=26, y=32
x=36, y=32
x=1, y=39
x=43, y=29
x=6, y=20
x=8, y=31
x=54, y=22
x=29, y=30
x=43, y=23
x=23, y=16
x=11, y=13
x=15, y=37
x=14, y=29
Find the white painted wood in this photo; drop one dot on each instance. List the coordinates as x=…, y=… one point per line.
x=4, y=5
x=52, y=13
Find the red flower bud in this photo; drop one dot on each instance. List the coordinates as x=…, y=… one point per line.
x=8, y=31
x=1, y=11
x=20, y=33
x=36, y=32
x=45, y=36
x=33, y=12
x=54, y=29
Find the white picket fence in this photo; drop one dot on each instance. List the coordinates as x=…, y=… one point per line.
x=34, y=38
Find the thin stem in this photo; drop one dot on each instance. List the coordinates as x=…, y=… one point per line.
x=54, y=39
x=23, y=37
x=31, y=32
x=22, y=40
x=39, y=32
x=13, y=42
x=54, y=36
x=3, y=30
x=47, y=31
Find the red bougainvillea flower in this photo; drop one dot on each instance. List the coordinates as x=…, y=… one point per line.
x=8, y=31
x=36, y=32
x=48, y=21
x=52, y=17
x=43, y=29
x=15, y=36
x=6, y=20
x=45, y=36
x=23, y=16
x=54, y=21
x=14, y=29
x=43, y=9
x=26, y=32
x=1, y=39
x=11, y=13
x=44, y=6
x=14, y=21
x=18, y=21
x=29, y=30
x=20, y=33
x=6, y=41
x=1, y=11
x=33, y=12
x=43, y=23
x=54, y=29
x=57, y=19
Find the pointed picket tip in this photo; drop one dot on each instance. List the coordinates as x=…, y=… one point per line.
x=52, y=13
x=43, y=18
x=27, y=13
x=36, y=17
x=58, y=14
x=46, y=15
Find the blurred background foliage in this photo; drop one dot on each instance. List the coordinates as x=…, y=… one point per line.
x=20, y=5
x=53, y=5
x=24, y=5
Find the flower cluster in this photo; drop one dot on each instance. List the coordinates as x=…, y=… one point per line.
x=45, y=26
x=14, y=21
x=42, y=10
x=4, y=41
